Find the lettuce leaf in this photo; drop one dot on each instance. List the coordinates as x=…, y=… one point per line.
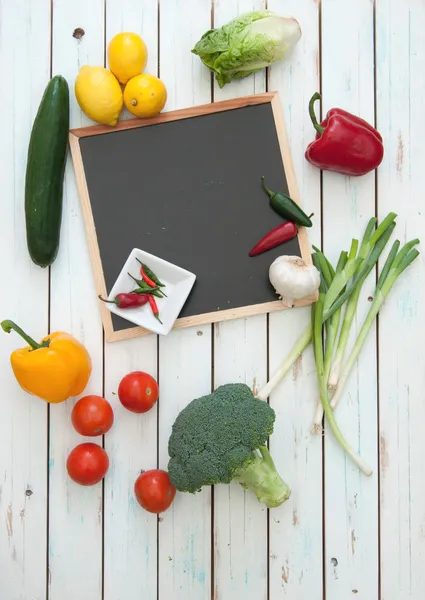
x=247, y=44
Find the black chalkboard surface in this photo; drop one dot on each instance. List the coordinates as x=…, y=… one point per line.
x=186, y=186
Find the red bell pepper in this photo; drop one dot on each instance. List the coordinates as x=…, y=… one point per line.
x=344, y=143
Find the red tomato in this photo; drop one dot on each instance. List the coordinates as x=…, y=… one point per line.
x=92, y=415
x=87, y=464
x=138, y=391
x=154, y=490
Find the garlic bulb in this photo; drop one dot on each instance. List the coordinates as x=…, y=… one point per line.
x=293, y=279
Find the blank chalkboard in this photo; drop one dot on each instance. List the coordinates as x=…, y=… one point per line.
x=186, y=186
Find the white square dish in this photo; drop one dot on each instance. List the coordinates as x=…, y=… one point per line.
x=178, y=285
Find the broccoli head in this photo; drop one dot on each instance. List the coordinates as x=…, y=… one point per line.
x=221, y=437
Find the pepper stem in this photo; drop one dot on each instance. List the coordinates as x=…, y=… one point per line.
x=7, y=326
x=265, y=188
x=110, y=301
x=157, y=317
x=313, y=118
x=134, y=279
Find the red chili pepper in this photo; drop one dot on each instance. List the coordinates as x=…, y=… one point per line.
x=344, y=143
x=145, y=278
x=128, y=300
x=154, y=307
x=275, y=237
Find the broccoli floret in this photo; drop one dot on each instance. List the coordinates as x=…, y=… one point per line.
x=221, y=437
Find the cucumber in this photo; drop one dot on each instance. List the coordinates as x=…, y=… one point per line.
x=45, y=173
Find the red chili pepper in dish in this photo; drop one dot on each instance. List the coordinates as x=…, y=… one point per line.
x=275, y=237
x=147, y=279
x=154, y=307
x=128, y=300
x=150, y=274
x=344, y=143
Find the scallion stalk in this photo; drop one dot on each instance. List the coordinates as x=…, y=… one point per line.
x=348, y=267
x=364, y=268
x=317, y=329
x=286, y=366
x=352, y=302
x=337, y=286
x=334, y=322
x=393, y=268
x=305, y=339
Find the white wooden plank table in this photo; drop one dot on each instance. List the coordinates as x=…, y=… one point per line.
x=340, y=535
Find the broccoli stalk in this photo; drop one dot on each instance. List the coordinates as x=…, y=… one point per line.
x=221, y=438
x=259, y=475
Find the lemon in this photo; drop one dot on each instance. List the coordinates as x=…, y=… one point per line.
x=145, y=95
x=99, y=95
x=127, y=56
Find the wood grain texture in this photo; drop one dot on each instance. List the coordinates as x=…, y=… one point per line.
x=184, y=569
x=209, y=318
x=75, y=515
x=129, y=549
x=130, y=534
x=184, y=356
x=401, y=178
x=173, y=115
x=240, y=355
x=351, y=510
x=296, y=527
x=25, y=65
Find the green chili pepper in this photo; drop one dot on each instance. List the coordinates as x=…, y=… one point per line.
x=286, y=207
x=144, y=288
x=151, y=274
x=150, y=292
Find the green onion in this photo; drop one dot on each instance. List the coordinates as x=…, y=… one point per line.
x=340, y=286
x=351, y=307
x=334, y=322
x=393, y=268
x=374, y=246
x=346, y=270
x=287, y=364
x=317, y=328
x=305, y=339
x=339, y=282
x=323, y=265
x=366, y=267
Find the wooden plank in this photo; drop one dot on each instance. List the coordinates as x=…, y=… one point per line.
x=240, y=521
x=400, y=91
x=25, y=65
x=185, y=529
x=75, y=517
x=240, y=354
x=351, y=508
x=295, y=536
x=184, y=356
x=130, y=537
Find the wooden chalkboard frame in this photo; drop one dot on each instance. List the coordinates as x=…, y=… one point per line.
x=75, y=135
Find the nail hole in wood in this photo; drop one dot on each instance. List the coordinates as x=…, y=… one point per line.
x=78, y=33
x=28, y=492
x=334, y=562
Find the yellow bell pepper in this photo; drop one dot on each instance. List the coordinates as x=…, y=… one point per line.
x=54, y=370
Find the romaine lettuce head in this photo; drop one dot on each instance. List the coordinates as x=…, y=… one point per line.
x=247, y=44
